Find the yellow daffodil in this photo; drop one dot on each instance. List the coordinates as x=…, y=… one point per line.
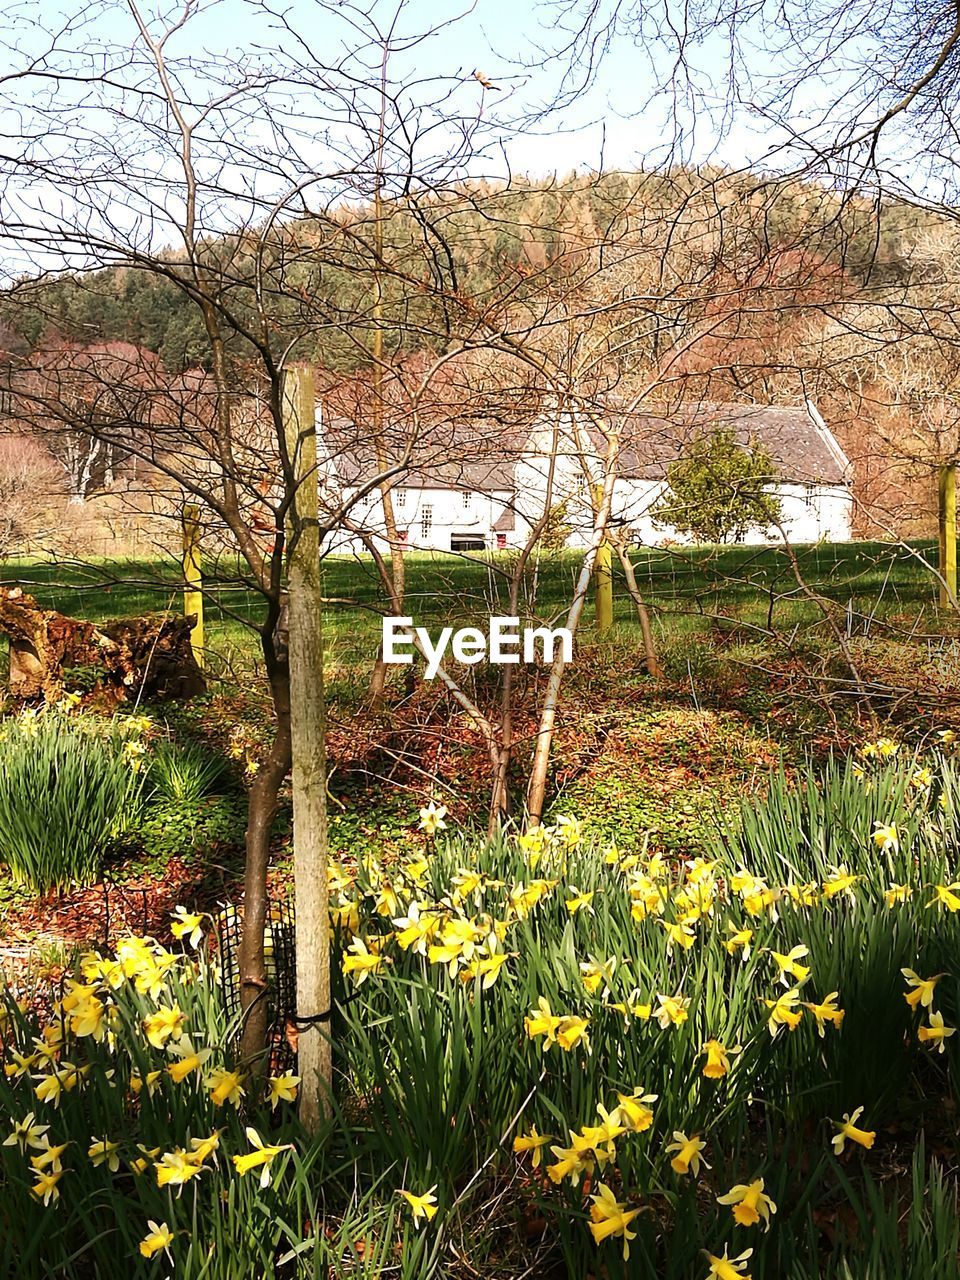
x=103, y=1152
x=572, y=1162
x=283, y=1089
x=51, y=1087
x=727, y=1268
x=839, y=881
x=572, y=1031
x=579, y=901
x=174, y=1168
x=488, y=968
x=143, y=1161
x=739, y=940
x=542, y=1022
x=681, y=934
x=86, y=1011
x=886, y=837
x=936, y=1033
x=225, y=1086
x=261, y=1157
x=633, y=1111
x=632, y=1008
x=19, y=1065
x=750, y=1204
x=718, y=1059
x=761, y=899
x=825, y=1012
x=609, y=1217
x=791, y=971
x=27, y=1133
x=534, y=1142
x=201, y=1149
x=848, y=1130
x=157, y=1240
x=189, y=925
x=922, y=989
x=803, y=895
x=362, y=961
x=166, y=1024
x=672, y=1010
x=601, y=1138
x=150, y=1081
x=945, y=895
x=688, y=1158
x=415, y=870
x=344, y=914
x=784, y=1012
x=49, y=1157
x=423, y=1208
x=523, y=898
x=597, y=973
x=432, y=818
x=897, y=893
x=190, y=1060
x=416, y=929
x=647, y=897
x=45, y=1187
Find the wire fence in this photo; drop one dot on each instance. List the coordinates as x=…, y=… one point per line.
x=281, y=990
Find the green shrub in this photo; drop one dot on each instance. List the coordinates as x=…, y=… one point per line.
x=186, y=772
x=68, y=786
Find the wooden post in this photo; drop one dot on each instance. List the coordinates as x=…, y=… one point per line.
x=308, y=729
x=603, y=578
x=193, y=595
x=948, y=535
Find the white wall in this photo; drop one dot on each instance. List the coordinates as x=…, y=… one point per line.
x=430, y=517
x=809, y=512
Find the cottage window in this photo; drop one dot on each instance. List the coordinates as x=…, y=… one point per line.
x=810, y=495
x=426, y=521
x=466, y=500
x=401, y=497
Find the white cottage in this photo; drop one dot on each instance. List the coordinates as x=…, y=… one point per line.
x=465, y=488
x=454, y=491
x=813, y=485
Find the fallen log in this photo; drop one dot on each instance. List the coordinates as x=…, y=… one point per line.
x=149, y=656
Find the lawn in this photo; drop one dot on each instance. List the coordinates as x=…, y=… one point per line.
x=753, y=589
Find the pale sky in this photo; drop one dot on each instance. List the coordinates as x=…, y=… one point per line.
x=635, y=113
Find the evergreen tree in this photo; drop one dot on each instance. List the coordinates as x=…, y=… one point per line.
x=717, y=490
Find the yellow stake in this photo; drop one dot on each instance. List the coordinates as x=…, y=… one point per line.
x=603, y=578
x=948, y=535
x=192, y=595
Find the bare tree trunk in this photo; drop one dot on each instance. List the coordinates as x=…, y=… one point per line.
x=653, y=664
x=378, y=679
x=262, y=807
x=500, y=791
x=537, y=786
x=308, y=725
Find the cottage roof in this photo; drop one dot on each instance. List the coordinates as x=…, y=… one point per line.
x=447, y=455
x=803, y=448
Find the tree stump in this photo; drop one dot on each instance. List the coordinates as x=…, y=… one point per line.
x=148, y=656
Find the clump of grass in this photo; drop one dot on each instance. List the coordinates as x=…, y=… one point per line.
x=185, y=773
x=68, y=787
